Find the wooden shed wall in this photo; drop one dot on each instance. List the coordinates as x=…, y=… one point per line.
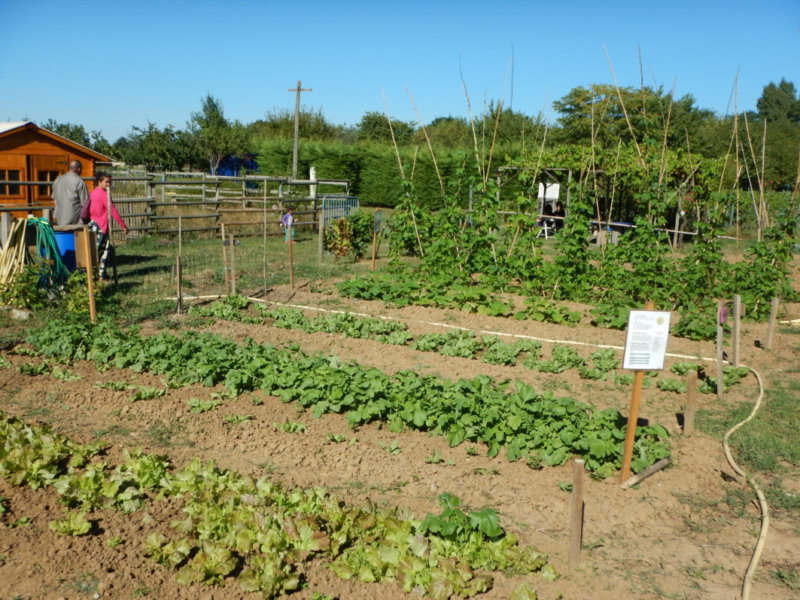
x=38, y=157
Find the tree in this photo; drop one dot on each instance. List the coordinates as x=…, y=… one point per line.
x=167, y=149
x=446, y=132
x=779, y=102
x=374, y=127
x=280, y=124
x=216, y=136
x=598, y=113
x=77, y=133
x=508, y=127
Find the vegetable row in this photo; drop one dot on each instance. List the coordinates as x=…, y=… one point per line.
x=537, y=427
x=460, y=343
x=259, y=533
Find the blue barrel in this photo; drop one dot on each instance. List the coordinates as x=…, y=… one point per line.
x=65, y=240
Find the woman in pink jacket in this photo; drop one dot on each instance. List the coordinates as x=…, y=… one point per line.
x=99, y=204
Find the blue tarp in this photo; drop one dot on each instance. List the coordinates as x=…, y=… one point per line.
x=232, y=166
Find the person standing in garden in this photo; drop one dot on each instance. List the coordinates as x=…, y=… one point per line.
x=560, y=214
x=287, y=221
x=69, y=195
x=100, y=204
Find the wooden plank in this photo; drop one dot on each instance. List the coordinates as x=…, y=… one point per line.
x=576, y=514
x=691, y=403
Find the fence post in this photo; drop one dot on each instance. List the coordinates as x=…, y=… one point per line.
x=179, y=266
x=737, y=328
x=773, y=317
x=691, y=403
x=5, y=228
x=576, y=514
x=233, y=265
x=321, y=225
x=224, y=256
x=721, y=317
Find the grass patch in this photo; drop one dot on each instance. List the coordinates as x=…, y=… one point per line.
x=768, y=443
x=146, y=268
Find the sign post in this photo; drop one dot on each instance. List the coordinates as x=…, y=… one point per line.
x=375, y=230
x=645, y=347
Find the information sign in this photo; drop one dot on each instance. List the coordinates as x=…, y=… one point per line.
x=646, y=345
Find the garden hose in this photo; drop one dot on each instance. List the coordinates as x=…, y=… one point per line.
x=762, y=501
x=47, y=247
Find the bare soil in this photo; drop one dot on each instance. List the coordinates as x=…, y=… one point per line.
x=674, y=536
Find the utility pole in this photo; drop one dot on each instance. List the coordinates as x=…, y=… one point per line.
x=298, y=89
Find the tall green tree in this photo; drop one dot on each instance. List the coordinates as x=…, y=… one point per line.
x=216, y=136
x=446, y=132
x=606, y=114
x=280, y=124
x=508, y=127
x=779, y=102
x=167, y=149
x=374, y=127
x=77, y=133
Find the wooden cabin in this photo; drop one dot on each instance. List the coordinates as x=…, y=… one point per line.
x=30, y=153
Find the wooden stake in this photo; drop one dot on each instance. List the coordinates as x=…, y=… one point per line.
x=633, y=417
x=321, y=227
x=264, y=254
x=691, y=403
x=224, y=256
x=233, y=265
x=374, y=248
x=773, y=318
x=737, y=328
x=179, y=282
x=87, y=252
x=720, y=352
x=179, y=266
x=576, y=514
x=290, y=244
x=639, y=477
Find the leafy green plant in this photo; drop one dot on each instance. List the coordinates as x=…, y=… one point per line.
x=64, y=374
x=540, y=309
x=116, y=386
x=74, y=524
x=670, y=384
x=350, y=236
x=290, y=426
x=393, y=448
x=198, y=406
x=435, y=458
x=34, y=369
x=561, y=359
x=144, y=392
x=236, y=419
x=456, y=525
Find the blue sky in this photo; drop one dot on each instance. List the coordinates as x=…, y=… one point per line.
x=113, y=65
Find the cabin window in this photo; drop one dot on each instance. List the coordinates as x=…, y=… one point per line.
x=9, y=189
x=42, y=175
